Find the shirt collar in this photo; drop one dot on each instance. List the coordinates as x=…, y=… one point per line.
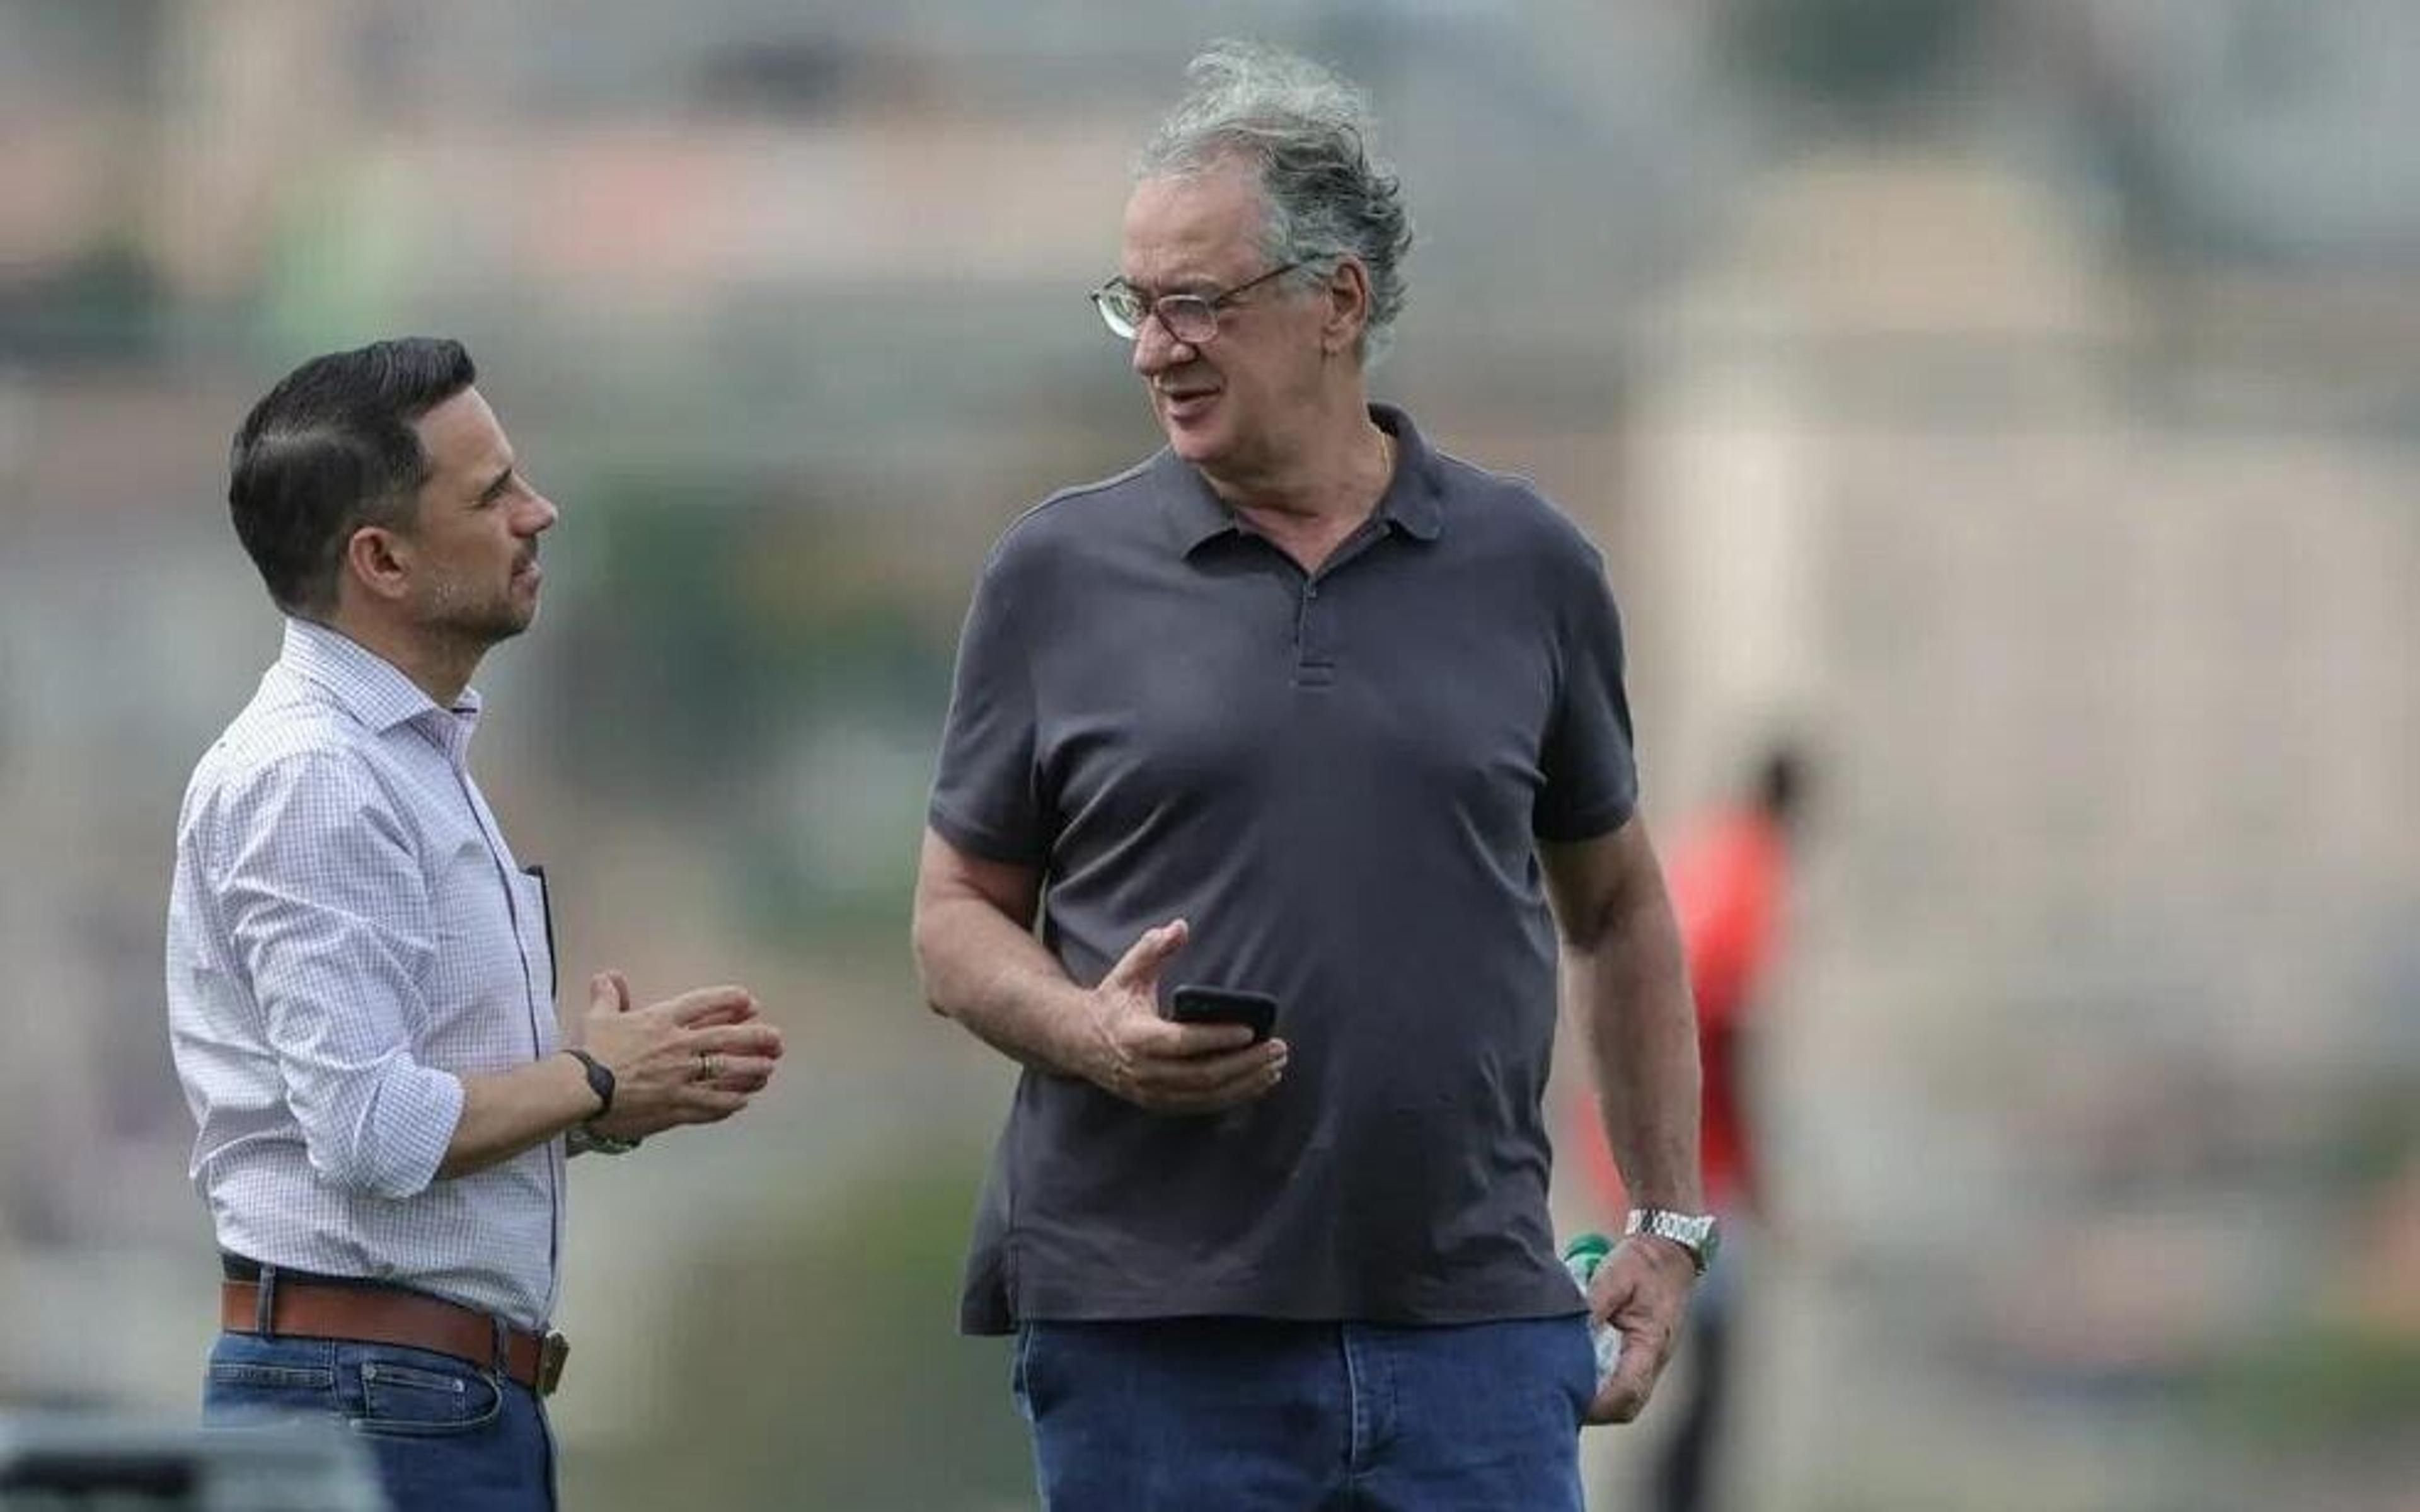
x=1413, y=504
x=372, y=688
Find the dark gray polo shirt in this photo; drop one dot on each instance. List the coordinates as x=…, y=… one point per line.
x=1338, y=780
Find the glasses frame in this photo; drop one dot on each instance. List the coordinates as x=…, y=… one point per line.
x=1209, y=306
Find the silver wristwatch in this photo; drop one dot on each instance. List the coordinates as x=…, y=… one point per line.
x=1696, y=1232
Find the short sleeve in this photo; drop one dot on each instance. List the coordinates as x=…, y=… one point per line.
x=1591, y=778
x=986, y=795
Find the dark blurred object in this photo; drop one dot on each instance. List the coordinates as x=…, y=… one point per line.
x=2247, y=133
x=1854, y=54
x=105, y=304
x=56, y=1463
x=798, y=78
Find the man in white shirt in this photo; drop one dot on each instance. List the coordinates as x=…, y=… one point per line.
x=360, y=975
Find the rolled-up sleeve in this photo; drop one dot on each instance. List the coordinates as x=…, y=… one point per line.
x=328, y=909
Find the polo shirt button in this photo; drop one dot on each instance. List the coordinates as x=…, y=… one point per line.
x=1311, y=592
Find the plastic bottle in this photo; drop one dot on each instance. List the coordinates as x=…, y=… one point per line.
x=1581, y=1256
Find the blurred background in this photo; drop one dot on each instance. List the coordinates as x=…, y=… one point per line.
x=2016, y=402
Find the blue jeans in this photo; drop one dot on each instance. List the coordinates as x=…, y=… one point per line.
x=445, y=1434
x=1228, y=1414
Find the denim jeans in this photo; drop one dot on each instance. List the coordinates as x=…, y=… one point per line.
x=1229, y=1415
x=445, y=1433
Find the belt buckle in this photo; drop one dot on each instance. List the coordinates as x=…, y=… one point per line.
x=551, y=1351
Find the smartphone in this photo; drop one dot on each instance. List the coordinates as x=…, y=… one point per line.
x=1203, y=1004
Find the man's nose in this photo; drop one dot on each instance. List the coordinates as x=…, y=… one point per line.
x=542, y=515
x=1156, y=350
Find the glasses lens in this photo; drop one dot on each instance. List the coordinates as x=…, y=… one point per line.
x=1190, y=317
x=1121, y=310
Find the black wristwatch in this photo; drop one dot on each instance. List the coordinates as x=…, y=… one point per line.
x=600, y=1081
x=585, y=1135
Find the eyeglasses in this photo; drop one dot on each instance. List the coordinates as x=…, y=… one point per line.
x=1191, y=318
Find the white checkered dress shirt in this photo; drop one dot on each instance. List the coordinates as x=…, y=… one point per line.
x=348, y=930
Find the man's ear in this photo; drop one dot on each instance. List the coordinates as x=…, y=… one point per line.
x=1348, y=306
x=379, y=562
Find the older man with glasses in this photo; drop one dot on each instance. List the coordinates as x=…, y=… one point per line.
x=1303, y=709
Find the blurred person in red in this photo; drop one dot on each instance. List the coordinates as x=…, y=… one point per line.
x=384, y=1098
x=1729, y=877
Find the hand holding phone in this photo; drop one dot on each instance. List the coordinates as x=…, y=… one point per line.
x=1139, y=1047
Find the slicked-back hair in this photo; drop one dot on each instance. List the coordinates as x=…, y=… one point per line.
x=332, y=449
x=1306, y=132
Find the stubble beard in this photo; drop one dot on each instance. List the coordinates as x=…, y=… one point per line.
x=459, y=612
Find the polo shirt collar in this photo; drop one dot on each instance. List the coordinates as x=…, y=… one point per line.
x=363, y=683
x=1414, y=502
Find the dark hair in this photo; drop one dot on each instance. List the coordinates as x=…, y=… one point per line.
x=332, y=449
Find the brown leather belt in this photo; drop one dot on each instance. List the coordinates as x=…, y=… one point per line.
x=382, y=1314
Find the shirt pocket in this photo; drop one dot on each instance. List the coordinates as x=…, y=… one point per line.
x=534, y=912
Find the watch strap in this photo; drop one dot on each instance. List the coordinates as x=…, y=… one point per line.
x=583, y=1139
x=1696, y=1233
x=600, y=1079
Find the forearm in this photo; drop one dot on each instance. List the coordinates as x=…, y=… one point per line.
x=1632, y=989
x=988, y=972
x=505, y=1113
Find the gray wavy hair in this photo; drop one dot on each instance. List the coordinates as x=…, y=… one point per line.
x=1307, y=133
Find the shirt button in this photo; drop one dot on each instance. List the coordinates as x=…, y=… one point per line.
x=1311, y=592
